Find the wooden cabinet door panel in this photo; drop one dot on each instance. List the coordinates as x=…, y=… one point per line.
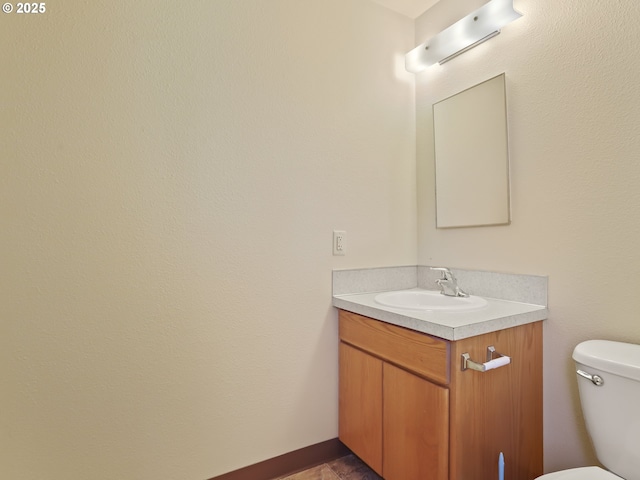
x=415, y=426
x=498, y=410
x=360, y=405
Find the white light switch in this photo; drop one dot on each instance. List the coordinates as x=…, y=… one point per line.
x=339, y=242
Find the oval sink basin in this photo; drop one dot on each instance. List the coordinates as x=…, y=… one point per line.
x=428, y=300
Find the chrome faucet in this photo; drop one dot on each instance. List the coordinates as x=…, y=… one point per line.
x=448, y=283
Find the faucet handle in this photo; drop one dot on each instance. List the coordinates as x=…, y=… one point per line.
x=448, y=283
x=446, y=273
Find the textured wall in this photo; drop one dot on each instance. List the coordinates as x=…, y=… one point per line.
x=170, y=174
x=574, y=126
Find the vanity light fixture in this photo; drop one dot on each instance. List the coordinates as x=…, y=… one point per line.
x=466, y=33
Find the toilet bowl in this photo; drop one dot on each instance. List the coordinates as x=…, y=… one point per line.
x=608, y=375
x=584, y=473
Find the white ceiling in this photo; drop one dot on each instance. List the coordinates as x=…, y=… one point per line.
x=410, y=8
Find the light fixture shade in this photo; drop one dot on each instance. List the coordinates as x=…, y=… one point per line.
x=466, y=33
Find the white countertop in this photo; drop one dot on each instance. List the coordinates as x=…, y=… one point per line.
x=496, y=315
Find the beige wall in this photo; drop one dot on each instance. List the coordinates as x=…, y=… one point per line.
x=170, y=175
x=169, y=179
x=572, y=72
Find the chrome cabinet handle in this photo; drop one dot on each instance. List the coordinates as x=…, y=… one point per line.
x=490, y=364
x=595, y=379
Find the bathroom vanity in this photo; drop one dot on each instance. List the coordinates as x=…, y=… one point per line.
x=409, y=410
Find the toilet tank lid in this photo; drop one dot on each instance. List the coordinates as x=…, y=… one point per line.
x=618, y=358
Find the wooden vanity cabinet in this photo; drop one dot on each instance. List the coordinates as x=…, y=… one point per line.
x=410, y=412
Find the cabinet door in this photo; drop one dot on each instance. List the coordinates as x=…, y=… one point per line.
x=499, y=410
x=360, y=405
x=416, y=427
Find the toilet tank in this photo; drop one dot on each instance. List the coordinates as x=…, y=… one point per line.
x=612, y=410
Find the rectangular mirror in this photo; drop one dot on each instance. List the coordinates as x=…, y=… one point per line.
x=472, y=157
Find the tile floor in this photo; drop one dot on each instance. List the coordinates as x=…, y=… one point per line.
x=345, y=468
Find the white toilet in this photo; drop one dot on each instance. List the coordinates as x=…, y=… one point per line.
x=609, y=384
